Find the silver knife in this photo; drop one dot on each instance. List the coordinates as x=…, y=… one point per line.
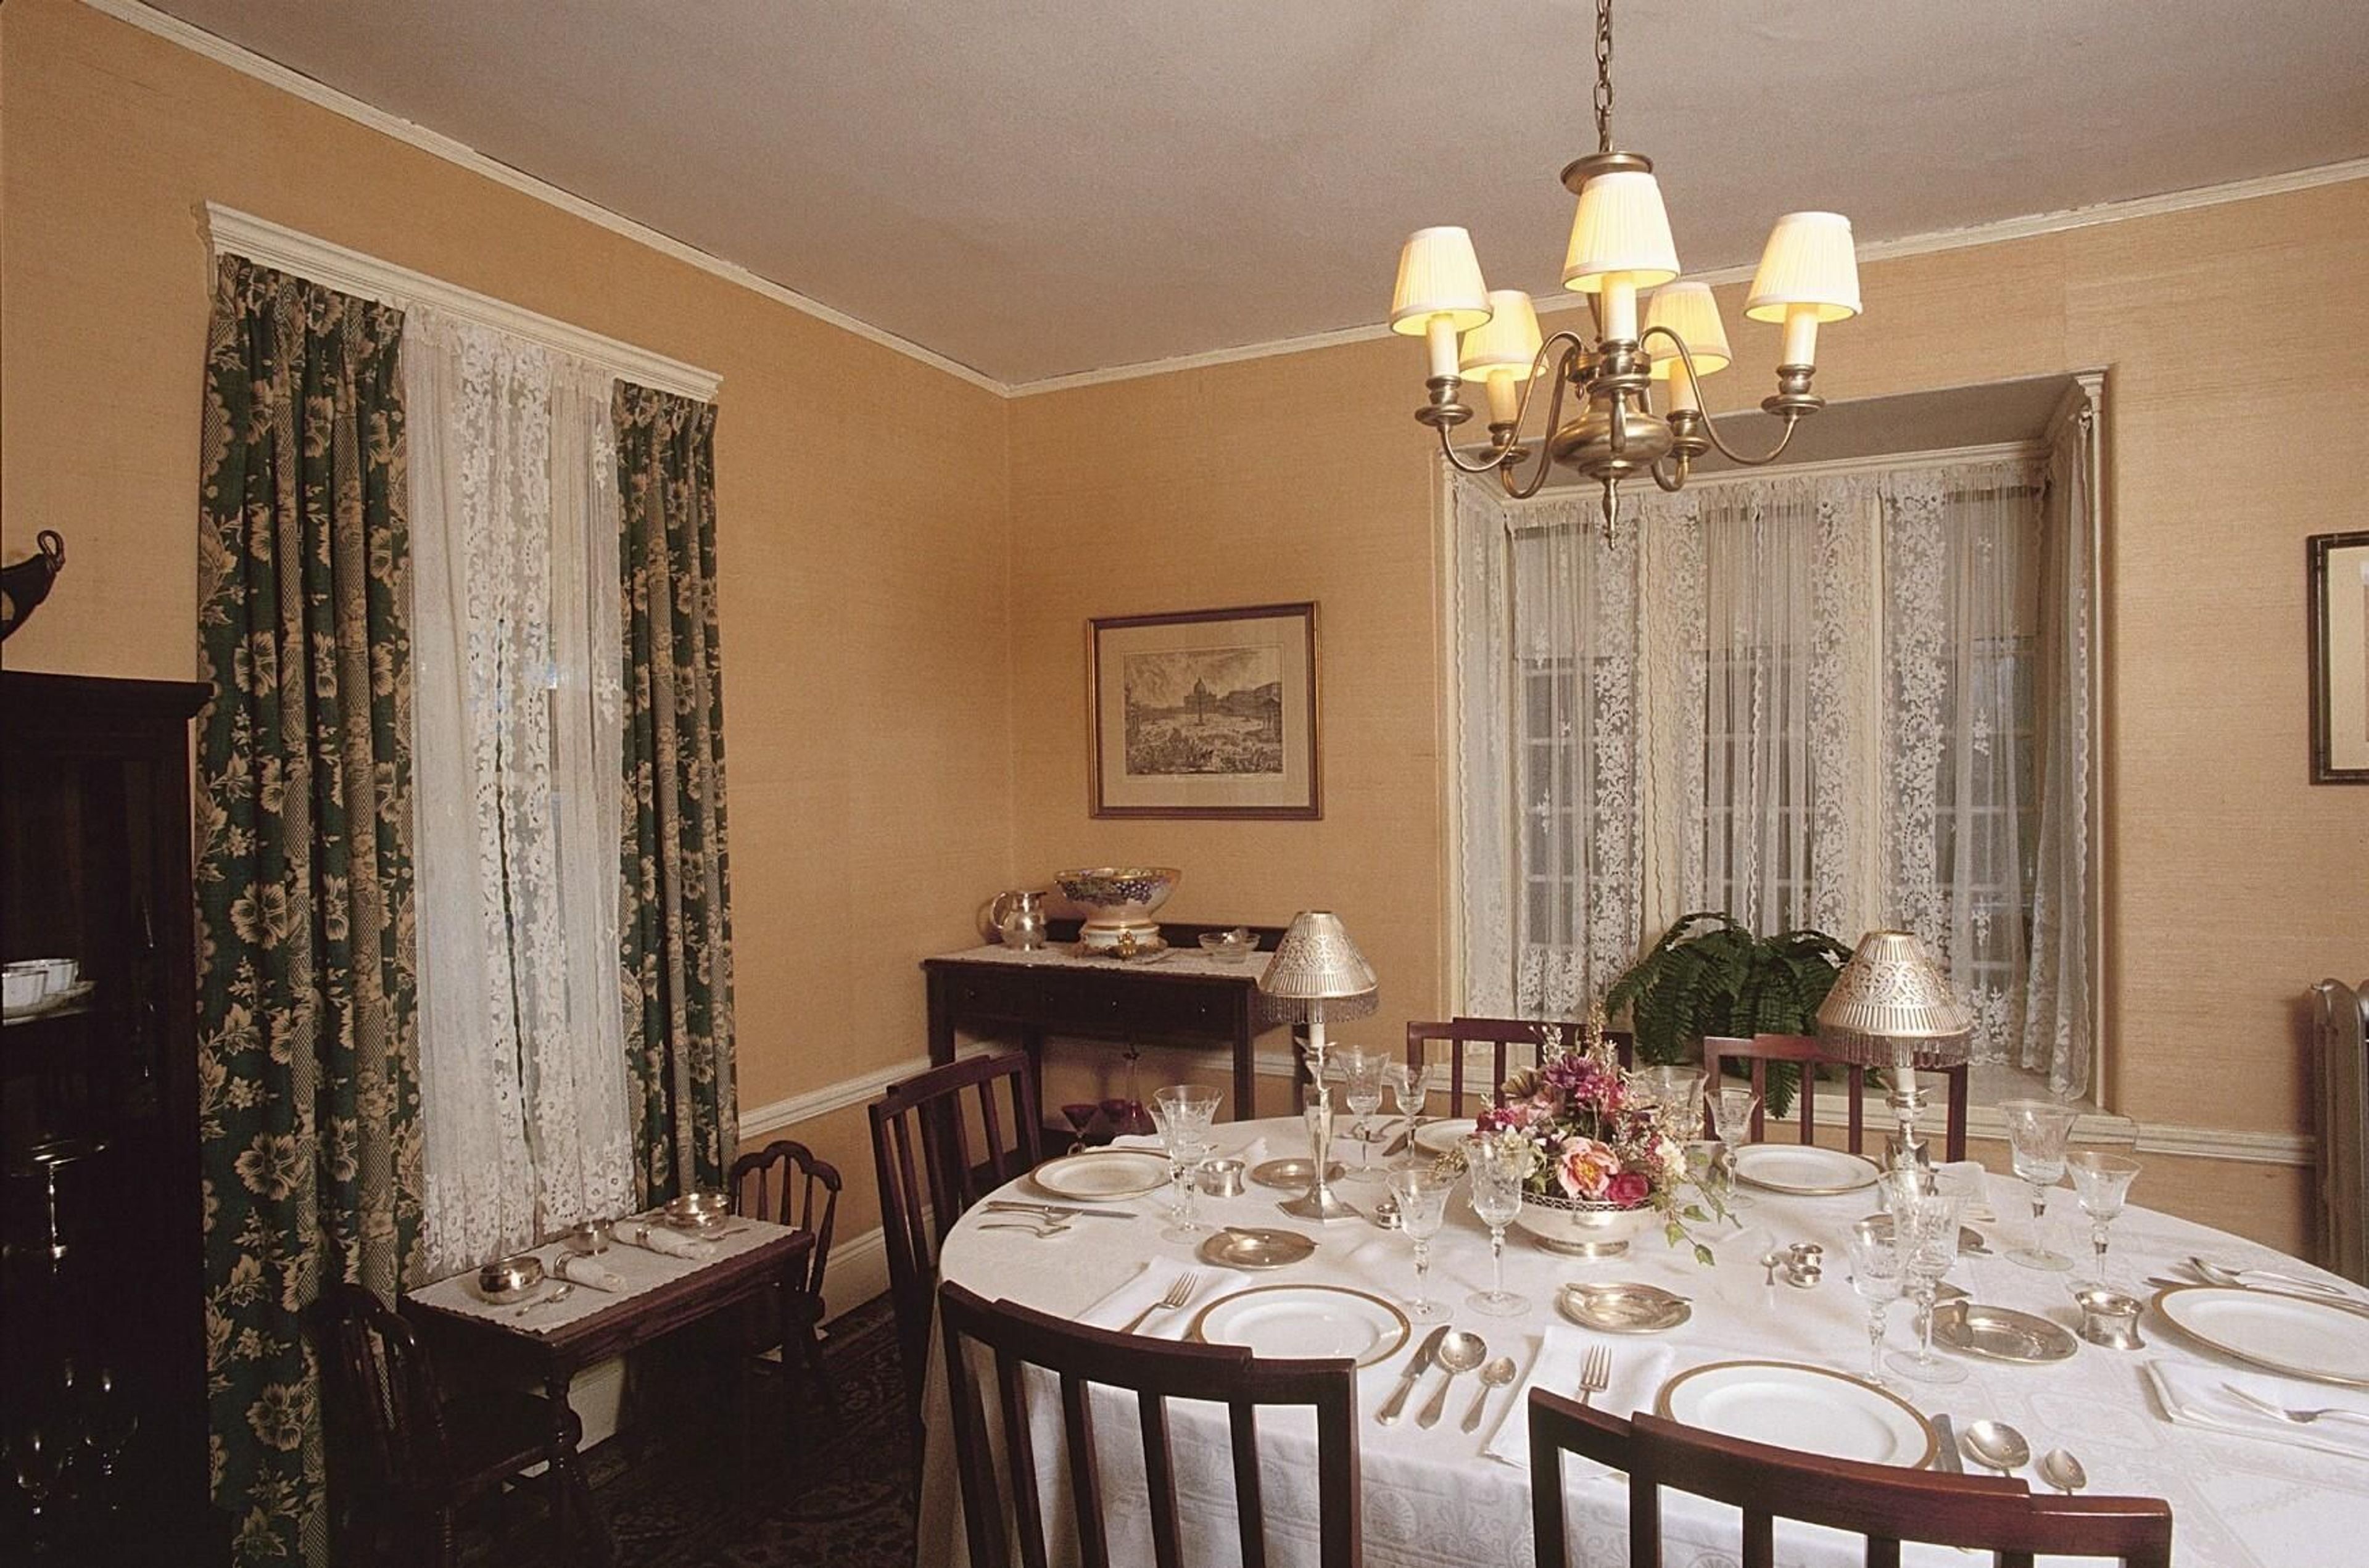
x=1005, y=1205
x=1947, y=1437
x=1415, y=1369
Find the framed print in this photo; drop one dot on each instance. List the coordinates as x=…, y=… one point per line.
x=1210, y=713
x=2339, y=580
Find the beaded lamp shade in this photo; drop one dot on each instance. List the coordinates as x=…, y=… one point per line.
x=1893, y=995
x=1316, y=975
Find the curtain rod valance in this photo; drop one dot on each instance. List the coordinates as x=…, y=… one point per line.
x=273, y=245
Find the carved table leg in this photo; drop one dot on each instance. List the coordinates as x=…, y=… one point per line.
x=571, y=1491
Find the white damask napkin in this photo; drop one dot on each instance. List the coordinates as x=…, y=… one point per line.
x=1118, y=1309
x=657, y=1238
x=1638, y=1370
x=1976, y=1181
x=2198, y=1396
x=588, y=1271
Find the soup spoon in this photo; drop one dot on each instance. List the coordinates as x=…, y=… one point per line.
x=1996, y=1445
x=2063, y=1472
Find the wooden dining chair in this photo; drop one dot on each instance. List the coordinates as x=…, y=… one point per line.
x=405, y=1459
x=1500, y=1035
x=1887, y=1504
x=785, y=1183
x=1155, y=1371
x=930, y=1172
x=1808, y=1054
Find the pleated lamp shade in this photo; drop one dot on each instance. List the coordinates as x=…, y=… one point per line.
x=1809, y=261
x=1508, y=343
x=1622, y=227
x=1691, y=311
x=1316, y=975
x=1893, y=993
x=1438, y=276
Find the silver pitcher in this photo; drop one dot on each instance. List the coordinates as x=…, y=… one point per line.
x=1019, y=916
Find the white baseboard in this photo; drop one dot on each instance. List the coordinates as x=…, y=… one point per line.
x=857, y=1271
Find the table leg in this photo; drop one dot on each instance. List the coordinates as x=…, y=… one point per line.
x=941, y=1024
x=1245, y=1069
x=572, y=1491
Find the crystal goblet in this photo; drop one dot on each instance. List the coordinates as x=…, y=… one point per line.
x=2037, y=1130
x=1925, y=1229
x=1361, y=1079
x=1730, y=1114
x=1183, y=1113
x=1496, y=1164
x=1422, y=1196
x=1876, y=1277
x=2100, y=1182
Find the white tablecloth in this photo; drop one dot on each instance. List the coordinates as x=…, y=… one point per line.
x=1433, y=1497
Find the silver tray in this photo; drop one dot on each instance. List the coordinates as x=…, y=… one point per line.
x=1244, y=1246
x=1622, y=1309
x=1291, y=1175
x=2001, y=1333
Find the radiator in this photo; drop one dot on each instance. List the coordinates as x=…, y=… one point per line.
x=2340, y=1031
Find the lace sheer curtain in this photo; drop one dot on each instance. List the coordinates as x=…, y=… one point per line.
x=514, y=518
x=1832, y=700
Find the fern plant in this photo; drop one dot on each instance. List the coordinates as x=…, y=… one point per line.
x=1711, y=976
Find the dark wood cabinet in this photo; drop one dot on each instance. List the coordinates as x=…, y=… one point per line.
x=102, y=1358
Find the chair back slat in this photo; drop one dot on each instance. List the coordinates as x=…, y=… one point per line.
x=1885, y=1502
x=386, y=1408
x=1806, y=1052
x=1020, y=1443
x=1155, y=1371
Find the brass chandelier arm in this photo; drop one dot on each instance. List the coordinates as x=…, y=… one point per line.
x=1793, y=418
x=1494, y=463
x=1575, y=347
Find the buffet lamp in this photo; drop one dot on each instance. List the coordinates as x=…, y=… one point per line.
x=1318, y=976
x=1892, y=1007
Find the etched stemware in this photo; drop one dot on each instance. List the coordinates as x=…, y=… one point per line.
x=1183, y=1113
x=1422, y=1196
x=1406, y=1085
x=1925, y=1229
x=1876, y=1277
x=1730, y=1119
x=2037, y=1130
x=1496, y=1167
x=1361, y=1079
x=2101, y=1182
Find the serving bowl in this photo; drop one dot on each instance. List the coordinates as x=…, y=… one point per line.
x=588, y=1239
x=697, y=1211
x=510, y=1279
x=1228, y=946
x=1119, y=900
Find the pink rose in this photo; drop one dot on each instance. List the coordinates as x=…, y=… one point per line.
x=1628, y=1189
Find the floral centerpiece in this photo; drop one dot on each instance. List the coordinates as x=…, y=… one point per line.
x=1601, y=1159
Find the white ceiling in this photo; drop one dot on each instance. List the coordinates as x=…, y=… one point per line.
x=1035, y=188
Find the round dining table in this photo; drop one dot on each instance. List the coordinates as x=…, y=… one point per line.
x=2246, y=1490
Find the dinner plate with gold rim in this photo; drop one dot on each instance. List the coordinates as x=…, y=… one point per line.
x=2001, y=1333
x=1803, y=1170
x=1103, y=1173
x=1809, y=1409
x=1303, y=1321
x=1615, y=1308
x=1244, y=1246
x=2326, y=1342
x=1442, y=1136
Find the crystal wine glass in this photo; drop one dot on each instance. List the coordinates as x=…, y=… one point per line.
x=1876, y=1276
x=2037, y=1130
x=1406, y=1086
x=1422, y=1196
x=1496, y=1163
x=2101, y=1182
x=1925, y=1231
x=1183, y=1113
x=1361, y=1077
x=1731, y=1117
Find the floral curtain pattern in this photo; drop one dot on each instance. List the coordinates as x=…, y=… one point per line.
x=675, y=923
x=307, y=1069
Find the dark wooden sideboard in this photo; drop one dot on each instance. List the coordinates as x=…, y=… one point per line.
x=1103, y=999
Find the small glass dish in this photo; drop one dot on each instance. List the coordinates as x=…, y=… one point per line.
x=1228, y=946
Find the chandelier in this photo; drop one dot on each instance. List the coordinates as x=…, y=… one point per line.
x=1620, y=249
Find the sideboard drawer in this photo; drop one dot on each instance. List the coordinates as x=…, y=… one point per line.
x=1098, y=1002
x=979, y=990
x=1182, y=1007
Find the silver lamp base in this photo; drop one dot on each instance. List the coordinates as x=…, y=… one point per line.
x=1321, y=1204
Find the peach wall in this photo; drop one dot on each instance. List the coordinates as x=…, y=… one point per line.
x=864, y=603
x=2235, y=882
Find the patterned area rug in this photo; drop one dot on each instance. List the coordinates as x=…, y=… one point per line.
x=844, y=1499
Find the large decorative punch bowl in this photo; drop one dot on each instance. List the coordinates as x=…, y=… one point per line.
x=1580, y=1226
x=1119, y=901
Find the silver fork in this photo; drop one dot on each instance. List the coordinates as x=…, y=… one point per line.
x=2301, y=1417
x=1040, y=1229
x=1596, y=1373
x=1178, y=1294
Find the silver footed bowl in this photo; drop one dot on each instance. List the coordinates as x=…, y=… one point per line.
x=697, y=1211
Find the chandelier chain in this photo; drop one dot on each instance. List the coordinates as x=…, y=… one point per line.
x=1604, y=75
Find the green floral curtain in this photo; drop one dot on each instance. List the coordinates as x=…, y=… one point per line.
x=309, y=1090
x=676, y=915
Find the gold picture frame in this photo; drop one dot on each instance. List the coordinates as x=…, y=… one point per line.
x=1205, y=713
x=2337, y=571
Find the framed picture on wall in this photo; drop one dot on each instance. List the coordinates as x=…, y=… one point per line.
x=2338, y=579
x=1205, y=713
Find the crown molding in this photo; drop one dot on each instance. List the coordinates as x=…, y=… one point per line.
x=272, y=73
x=354, y=272
x=1996, y=233
x=222, y=51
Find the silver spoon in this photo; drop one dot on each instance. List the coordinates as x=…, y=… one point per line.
x=2234, y=1279
x=562, y=1294
x=1771, y=1261
x=1996, y=1445
x=2063, y=1472
x=1495, y=1375
x=1460, y=1352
